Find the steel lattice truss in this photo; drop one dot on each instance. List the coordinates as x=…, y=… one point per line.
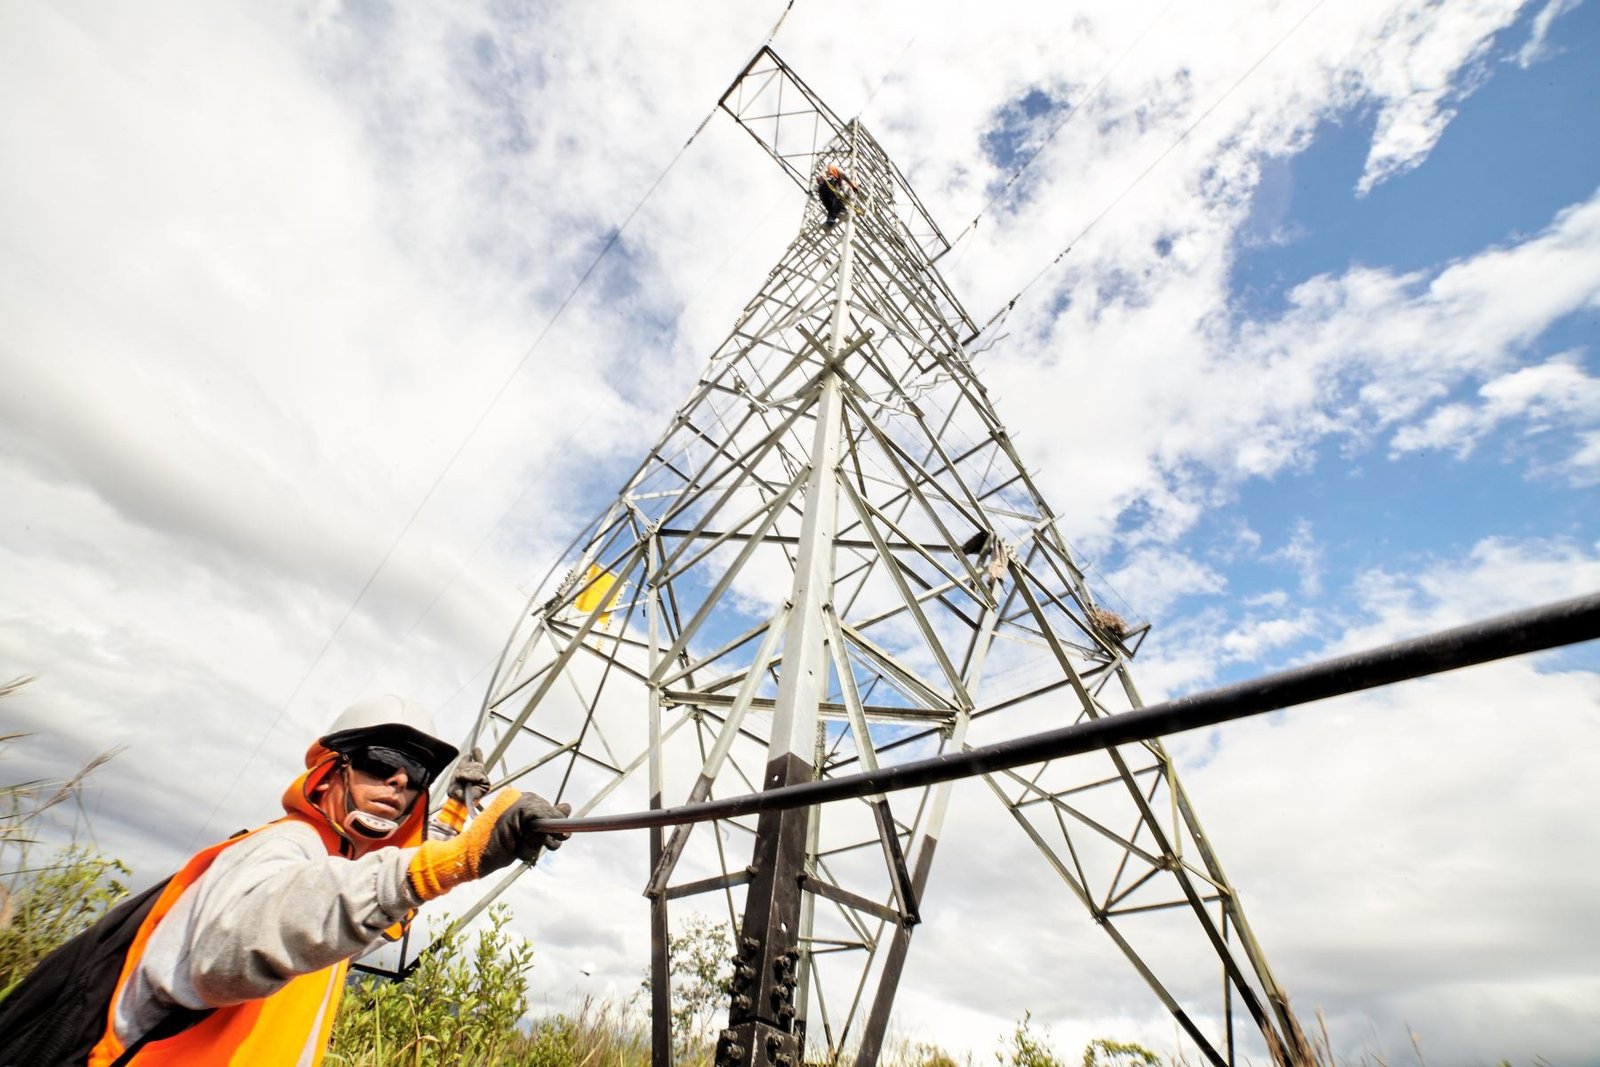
x=831, y=560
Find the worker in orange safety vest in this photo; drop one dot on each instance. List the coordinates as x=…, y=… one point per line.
x=242, y=956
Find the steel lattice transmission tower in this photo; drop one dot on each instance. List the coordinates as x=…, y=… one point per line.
x=831, y=560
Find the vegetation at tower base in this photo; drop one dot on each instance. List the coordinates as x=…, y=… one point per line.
x=1025, y=1048
x=701, y=973
x=462, y=1004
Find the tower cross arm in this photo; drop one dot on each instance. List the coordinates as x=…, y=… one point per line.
x=796, y=126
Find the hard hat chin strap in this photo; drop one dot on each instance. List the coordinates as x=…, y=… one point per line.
x=361, y=824
x=369, y=827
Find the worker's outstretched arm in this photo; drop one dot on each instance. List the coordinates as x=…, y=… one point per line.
x=276, y=905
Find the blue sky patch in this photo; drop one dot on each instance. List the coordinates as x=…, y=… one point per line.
x=1018, y=130
x=1507, y=163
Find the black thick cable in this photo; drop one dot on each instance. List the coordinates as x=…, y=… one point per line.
x=1536, y=629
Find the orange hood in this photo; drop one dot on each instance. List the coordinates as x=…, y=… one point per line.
x=323, y=763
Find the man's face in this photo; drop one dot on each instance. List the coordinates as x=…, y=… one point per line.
x=375, y=790
x=389, y=797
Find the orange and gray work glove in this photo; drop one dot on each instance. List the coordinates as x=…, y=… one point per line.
x=501, y=833
x=452, y=815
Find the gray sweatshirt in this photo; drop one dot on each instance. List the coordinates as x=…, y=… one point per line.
x=270, y=908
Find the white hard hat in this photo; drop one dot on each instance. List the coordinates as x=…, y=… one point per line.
x=390, y=720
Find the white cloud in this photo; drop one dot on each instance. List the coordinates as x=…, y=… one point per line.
x=1195, y=649
x=1554, y=394
x=1352, y=355
x=263, y=272
x=1583, y=466
x=1304, y=555
x=1496, y=576
x=1537, y=46
x=1387, y=847
x=1432, y=52
x=1153, y=579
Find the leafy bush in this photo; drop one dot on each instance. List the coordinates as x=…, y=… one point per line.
x=462, y=1004
x=1026, y=1049
x=1103, y=1052
x=702, y=982
x=700, y=972
x=47, y=905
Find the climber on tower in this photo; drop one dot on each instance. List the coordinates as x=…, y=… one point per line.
x=834, y=187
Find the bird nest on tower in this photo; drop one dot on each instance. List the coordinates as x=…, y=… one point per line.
x=1109, y=623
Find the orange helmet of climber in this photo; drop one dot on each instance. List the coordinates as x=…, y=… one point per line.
x=833, y=172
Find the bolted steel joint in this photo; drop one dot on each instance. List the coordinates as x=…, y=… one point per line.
x=729, y=1052
x=775, y=1054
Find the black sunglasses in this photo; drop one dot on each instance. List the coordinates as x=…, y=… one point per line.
x=382, y=762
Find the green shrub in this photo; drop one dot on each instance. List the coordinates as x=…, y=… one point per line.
x=1026, y=1049
x=1103, y=1052
x=50, y=904
x=461, y=1005
x=700, y=971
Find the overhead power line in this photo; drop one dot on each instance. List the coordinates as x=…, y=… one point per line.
x=1094, y=90
x=1154, y=163
x=455, y=456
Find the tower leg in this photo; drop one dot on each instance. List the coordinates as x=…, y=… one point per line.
x=763, y=1024
x=660, y=975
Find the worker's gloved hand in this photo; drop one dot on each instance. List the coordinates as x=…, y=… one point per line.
x=452, y=814
x=501, y=833
x=513, y=838
x=470, y=773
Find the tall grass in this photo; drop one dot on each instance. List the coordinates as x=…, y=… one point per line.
x=46, y=895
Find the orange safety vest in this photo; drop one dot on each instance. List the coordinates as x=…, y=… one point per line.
x=289, y=1028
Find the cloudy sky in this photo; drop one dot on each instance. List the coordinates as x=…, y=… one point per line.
x=307, y=369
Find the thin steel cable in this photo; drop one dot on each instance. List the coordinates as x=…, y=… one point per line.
x=1072, y=112
x=450, y=463
x=1005, y=308
x=510, y=509
x=890, y=69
